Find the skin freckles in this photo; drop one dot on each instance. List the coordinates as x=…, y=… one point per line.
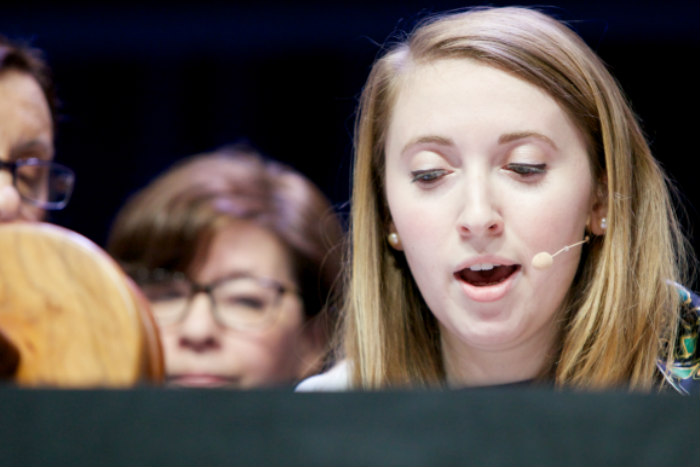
x=484, y=169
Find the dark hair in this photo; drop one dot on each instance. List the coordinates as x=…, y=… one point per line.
x=20, y=56
x=170, y=223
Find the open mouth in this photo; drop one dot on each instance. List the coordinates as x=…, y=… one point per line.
x=483, y=275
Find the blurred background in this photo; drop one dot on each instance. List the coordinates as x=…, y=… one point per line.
x=143, y=85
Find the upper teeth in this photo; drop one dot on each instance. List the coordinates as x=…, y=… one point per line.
x=483, y=267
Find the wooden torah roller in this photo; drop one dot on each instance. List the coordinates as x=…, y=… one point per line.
x=69, y=315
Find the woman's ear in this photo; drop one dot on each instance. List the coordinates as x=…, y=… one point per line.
x=598, y=219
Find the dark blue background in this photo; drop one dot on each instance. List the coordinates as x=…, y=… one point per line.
x=143, y=85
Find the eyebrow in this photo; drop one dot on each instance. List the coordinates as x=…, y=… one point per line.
x=439, y=140
x=33, y=145
x=510, y=137
x=503, y=139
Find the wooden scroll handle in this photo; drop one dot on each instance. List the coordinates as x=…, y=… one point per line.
x=9, y=357
x=69, y=315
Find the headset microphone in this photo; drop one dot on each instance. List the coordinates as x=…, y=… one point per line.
x=543, y=260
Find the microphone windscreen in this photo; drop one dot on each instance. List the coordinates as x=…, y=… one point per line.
x=542, y=260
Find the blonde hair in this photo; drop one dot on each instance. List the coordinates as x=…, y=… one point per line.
x=620, y=313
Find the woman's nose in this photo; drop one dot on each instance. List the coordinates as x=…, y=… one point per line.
x=199, y=330
x=480, y=214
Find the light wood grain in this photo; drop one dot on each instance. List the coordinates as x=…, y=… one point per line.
x=74, y=317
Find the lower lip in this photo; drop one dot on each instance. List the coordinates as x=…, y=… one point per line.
x=488, y=293
x=203, y=381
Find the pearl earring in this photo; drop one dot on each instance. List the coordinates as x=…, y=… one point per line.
x=394, y=239
x=604, y=223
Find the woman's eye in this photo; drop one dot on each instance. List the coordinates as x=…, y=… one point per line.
x=527, y=170
x=161, y=294
x=427, y=176
x=244, y=301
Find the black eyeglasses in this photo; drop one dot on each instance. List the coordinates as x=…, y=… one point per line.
x=239, y=301
x=45, y=184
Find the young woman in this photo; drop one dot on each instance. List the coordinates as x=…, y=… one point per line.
x=238, y=256
x=509, y=223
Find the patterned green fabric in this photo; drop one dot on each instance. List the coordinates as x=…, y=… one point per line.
x=683, y=374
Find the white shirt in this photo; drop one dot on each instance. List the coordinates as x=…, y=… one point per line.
x=335, y=379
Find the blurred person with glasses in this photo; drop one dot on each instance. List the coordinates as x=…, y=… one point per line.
x=239, y=258
x=30, y=182
x=238, y=301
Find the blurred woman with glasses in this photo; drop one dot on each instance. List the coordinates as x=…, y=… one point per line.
x=30, y=182
x=238, y=256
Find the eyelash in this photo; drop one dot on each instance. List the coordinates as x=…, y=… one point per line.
x=427, y=176
x=527, y=170
x=430, y=176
